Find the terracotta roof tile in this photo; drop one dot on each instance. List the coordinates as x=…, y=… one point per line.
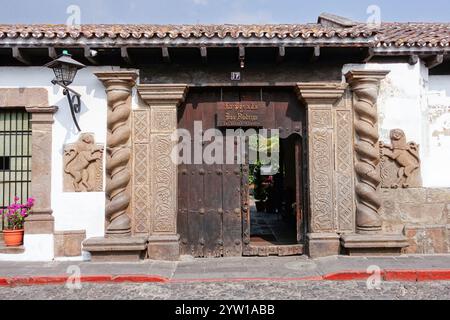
x=388, y=34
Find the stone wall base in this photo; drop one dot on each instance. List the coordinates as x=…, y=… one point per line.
x=68, y=243
x=373, y=245
x=161, y=247
x=323, y=245
x=129, y=249
x=40, y=222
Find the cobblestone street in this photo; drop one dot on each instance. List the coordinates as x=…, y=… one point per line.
x=310, y=290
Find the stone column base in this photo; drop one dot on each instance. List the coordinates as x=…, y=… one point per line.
x=373, y=245
x=323, y=245
x=129, y=249
x=161, y=247
x=40, y=222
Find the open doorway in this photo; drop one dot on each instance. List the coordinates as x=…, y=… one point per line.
x=275, y=198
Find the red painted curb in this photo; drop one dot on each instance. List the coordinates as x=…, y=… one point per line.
x=4, y=282
x=400, y=275
x=40, y=280
x=347, y=276
x=434, y=275
x=316, y=278
x=387, y=275
x=96, y=278
x=139, y=278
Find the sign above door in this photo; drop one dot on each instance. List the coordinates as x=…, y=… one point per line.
x=241, y=114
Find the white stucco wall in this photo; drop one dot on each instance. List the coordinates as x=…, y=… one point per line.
x=437, y=156
x=72, y=211
x=404, y=103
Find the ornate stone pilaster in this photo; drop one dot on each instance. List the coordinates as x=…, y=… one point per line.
x=42, y=220
x=320, y=98
x=163, y=101
x=118, y=243
x=369, y=239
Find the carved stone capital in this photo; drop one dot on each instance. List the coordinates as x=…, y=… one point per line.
x=365, y=85
x=163, y=94
x=317, y=93
x=110, y=78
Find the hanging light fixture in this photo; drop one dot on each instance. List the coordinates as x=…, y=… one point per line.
x=65, y=69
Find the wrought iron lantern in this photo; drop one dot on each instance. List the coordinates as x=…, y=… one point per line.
x=65, y=69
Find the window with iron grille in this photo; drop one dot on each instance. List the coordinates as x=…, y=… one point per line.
x=15, y=156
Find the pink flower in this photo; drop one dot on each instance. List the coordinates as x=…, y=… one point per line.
x=16, y=198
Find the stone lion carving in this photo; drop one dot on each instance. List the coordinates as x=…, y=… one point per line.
x=83, y=166
x=400, y=162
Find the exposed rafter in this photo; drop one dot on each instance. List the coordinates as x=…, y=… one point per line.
x=125, y=55
x=370, y=55
x=281, y=54
x=89, y=56
x=165, y=54
x=52, y=53
x=204, y=54
x=242, y=56
x=316, y=54
x=434, y=61
x=18, y=55
x=413, y=59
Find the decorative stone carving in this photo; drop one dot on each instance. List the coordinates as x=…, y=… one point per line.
x=400, y=162
x=118, y=244
x=141, y=171
x=365, y=86
x=344, y=171
x=118, y=196
x=163, y=101
x=320, y=98
x=83, y=165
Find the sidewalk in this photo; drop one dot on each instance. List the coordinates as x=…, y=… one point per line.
x=405, y=268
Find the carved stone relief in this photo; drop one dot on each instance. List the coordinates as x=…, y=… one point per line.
x=344, y=171
x=400, y=162
x=141, y=171
x=83, y=165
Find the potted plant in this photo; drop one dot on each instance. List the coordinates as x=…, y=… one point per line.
x=15, y=215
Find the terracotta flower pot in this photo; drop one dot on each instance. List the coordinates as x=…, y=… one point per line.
x=13, y=238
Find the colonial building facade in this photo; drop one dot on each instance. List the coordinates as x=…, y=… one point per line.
x=362, y=115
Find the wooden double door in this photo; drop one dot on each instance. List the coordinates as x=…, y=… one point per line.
x=213, y=199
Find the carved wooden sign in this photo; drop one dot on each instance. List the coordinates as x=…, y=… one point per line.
x=83, y=165
x=240, y=114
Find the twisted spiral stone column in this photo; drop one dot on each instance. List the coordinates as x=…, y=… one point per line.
x=365, y=85
x=118, y=196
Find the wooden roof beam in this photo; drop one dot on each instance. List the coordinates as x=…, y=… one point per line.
x=165, y=54
x=125, y=55
x=89, y=54
x=434, y=61
x=19, y=56
x=413, y=59
x=52, y=53
x=242, y=56
x=370, y=55
x=281, y=54
x=204, y=54
x=316, y=54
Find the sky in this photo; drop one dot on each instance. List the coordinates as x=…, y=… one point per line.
x=218, y=11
